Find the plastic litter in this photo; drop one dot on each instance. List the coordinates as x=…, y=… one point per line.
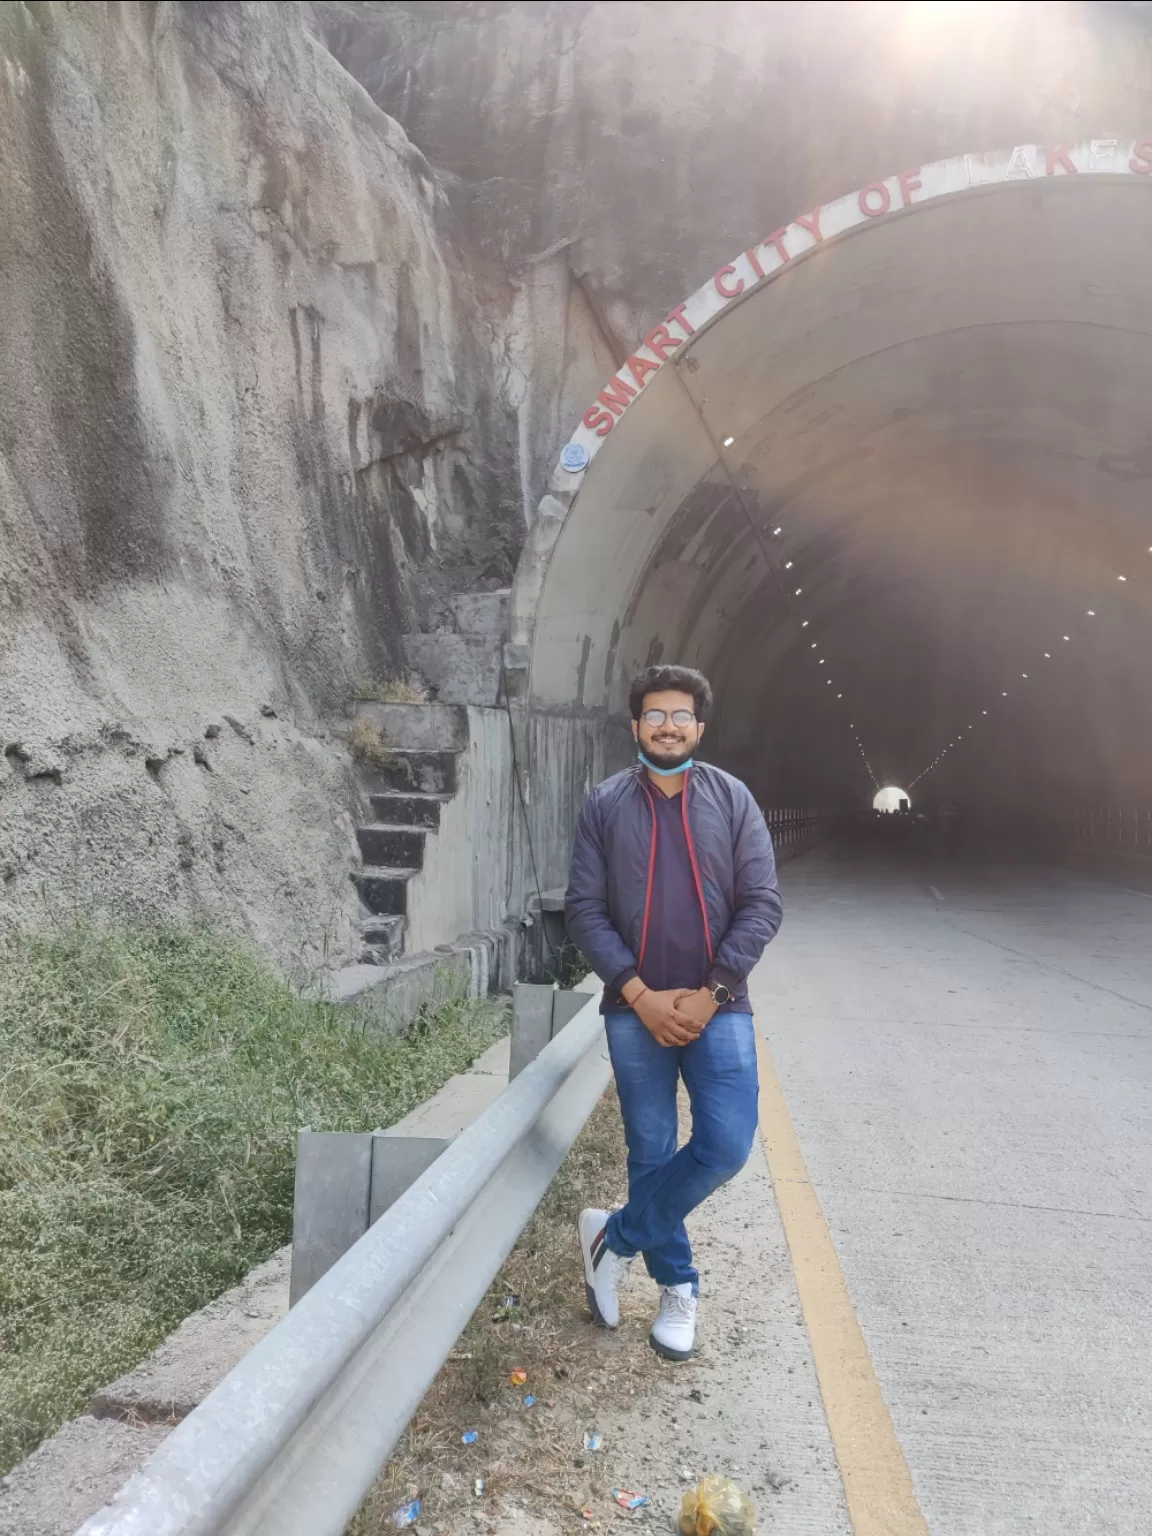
x=406, y=1515
x=529, y=1401
x=478, y=1487
x=593, y=1440
x=716, y=1507
x=627, y=1500
x=518, y=1377
x=470, y=1437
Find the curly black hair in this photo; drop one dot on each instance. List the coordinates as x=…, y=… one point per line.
x=662, y=679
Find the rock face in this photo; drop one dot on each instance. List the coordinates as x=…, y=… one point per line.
x=653, y=140
x=253, y=426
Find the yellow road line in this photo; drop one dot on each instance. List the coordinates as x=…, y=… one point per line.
x=877, y=1483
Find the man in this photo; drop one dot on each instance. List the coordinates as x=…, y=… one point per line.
x=672, y=898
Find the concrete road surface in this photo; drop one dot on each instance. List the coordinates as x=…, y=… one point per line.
x=966, y=1056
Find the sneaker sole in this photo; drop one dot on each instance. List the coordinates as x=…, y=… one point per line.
x=586, y=1259
x=593, y=1306
x=666, y=1352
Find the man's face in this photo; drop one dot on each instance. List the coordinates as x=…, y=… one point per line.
x=668, y=744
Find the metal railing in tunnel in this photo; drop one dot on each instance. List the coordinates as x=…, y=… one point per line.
x=1112, y=827
x=293, y=1438
x=795, y=831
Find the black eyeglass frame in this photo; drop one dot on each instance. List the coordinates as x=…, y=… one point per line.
x=679, y=717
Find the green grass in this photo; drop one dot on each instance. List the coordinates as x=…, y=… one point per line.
x=152, y=1082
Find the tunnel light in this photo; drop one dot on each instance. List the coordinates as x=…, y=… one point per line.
x=814, y=644
x=839, y=695
x=1023, y=674
x=1047, y=655
x=1003, y=695
x=775, y=531
x=819, y=661
x=983, y=711
x=1091, y=613
x=805, y=623
x=797, y=591
x=728, y=441
x=788, y=564
x=1121, y=578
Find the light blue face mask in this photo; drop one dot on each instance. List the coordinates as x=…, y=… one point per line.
x=665, y=773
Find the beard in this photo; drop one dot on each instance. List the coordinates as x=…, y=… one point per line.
x=669, y=756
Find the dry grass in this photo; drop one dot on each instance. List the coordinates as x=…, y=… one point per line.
x=151, y=1088
x=405, y=688
x=535, y=1455
x=369, y=744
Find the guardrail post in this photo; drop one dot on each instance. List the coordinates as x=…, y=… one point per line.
x=345, y=1181
x=539, y=1013
x=397, y=1162
x=330, y=1204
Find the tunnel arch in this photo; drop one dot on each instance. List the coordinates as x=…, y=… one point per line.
x=868, y=474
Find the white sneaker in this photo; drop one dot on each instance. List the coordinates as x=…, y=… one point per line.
x=603, y=1269
x=674, y=1331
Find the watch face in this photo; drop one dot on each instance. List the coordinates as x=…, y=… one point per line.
x=721, y=994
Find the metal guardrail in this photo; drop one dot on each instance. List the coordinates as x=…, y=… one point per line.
x=795, y=831
x=292, y=1439
x=1112, y=827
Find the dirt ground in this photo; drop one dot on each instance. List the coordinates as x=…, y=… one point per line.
x=530, y=1454
x=747, y=1406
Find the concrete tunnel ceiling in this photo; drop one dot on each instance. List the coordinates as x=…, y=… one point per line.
x=868, y=475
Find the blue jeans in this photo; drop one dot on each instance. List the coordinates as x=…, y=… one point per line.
x=719, y=1072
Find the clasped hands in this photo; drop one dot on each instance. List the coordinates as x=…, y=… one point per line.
x=675, y=1017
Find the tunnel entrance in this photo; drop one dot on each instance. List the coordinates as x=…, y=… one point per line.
x=891, y=800
x=888, y=466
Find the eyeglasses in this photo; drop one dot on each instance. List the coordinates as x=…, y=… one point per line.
x=658, y=716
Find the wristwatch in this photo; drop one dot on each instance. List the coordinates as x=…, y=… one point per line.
x=720, y=994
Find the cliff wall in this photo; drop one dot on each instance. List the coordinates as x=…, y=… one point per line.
x=255, y=422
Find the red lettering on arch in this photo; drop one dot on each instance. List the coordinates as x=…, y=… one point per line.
x=617, y=396
x=811, y=222
x=777, y=239
x=909, y=183
x=728, y=293
x=872, y=190
x=754, y=263
x=661, y=342
x=678, y=315
x=1141, y=161
x=598, y=421
x=1057, y=155
x=640, y=367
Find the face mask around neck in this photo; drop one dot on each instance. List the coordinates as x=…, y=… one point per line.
x=665, y=773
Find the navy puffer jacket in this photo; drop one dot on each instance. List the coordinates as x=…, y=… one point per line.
x=614, y=856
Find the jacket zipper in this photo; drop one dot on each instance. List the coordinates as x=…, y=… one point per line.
x=695, y=866
x=651, y=874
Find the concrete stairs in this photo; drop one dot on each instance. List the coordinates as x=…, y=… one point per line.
x=417, y=865
x=407, y=799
